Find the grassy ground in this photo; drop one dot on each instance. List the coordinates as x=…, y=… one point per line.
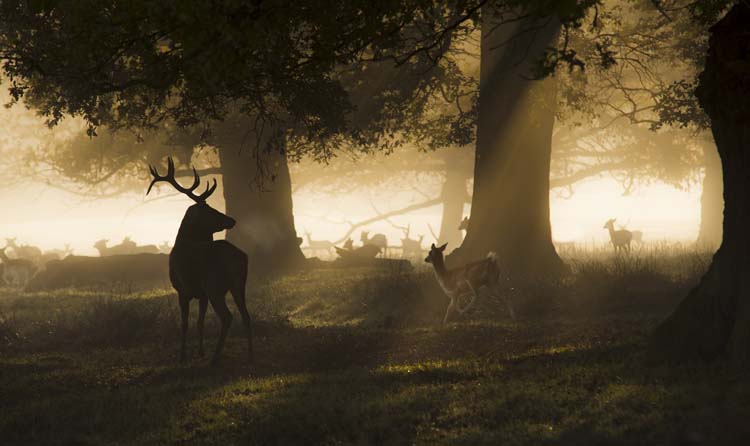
x=359, y=357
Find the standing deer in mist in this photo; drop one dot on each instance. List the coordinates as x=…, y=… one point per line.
x=466, y=280
x=620, y=239
x=17, y=272
x=203, y=268
x=23, y=251
x=319, y=245
x=411, y=248
x=377, y=240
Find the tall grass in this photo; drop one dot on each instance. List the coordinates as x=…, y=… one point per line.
x=652, y=280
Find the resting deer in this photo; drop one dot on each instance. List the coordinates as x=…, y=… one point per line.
x=318, y=245
x=466, y=280
x=126, y=247
x=377, y=240
x=204, y=269
x=620, y=239
x=349, y=244
x=17, y=272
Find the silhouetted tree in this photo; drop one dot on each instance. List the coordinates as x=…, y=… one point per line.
x=305, y=79
x=714, y=320
x=510, y=204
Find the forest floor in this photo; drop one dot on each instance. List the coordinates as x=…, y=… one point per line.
x=360, y=357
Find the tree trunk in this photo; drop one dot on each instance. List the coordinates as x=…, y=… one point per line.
x=712, y=200
x=263, y=209
x=714, y=319
x=510, y=205
x=454, y=197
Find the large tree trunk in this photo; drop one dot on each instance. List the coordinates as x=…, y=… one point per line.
x=712, y=200
x=262, y=207
x=510, y=205
x=454, y=197
x=714, y=319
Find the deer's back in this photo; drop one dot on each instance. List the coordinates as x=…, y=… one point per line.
x=623, y=236
x=480, y=273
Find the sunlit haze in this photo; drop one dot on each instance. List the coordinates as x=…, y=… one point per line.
x=49, y=218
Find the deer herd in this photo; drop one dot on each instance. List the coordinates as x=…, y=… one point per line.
x=207, y=270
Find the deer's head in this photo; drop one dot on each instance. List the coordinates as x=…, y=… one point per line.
x=101, y=244
x=464, y=225
x=436, y=254
x=364, y=236
x=10, y=243
x=201, y=221
x=610, y=224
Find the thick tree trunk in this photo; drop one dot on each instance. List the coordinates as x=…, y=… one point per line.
x=510, y=205
x=263, y=209
x=454, y=197
x=714, y=320
x=712, y=200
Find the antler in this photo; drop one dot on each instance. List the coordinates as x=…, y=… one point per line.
x=169, y=178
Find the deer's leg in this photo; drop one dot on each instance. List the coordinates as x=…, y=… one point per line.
x=202, y=305
x=473, y=298
x=184, y=314
x=220, y=307
x=239, y=298
x=449, y=310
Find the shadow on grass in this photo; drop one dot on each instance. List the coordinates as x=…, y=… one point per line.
x=458, y=385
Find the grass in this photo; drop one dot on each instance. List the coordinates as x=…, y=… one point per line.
x=359, y=357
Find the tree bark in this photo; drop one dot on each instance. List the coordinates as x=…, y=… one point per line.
x=714, y=319
x=262, y=207
x=454, y=196
x=712, y=200
x=510, y=205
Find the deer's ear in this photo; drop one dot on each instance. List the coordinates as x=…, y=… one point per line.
x=432, y=246
x=442, y=248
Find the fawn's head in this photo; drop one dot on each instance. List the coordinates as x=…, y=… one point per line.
x=101, y=244
x=435, y=254
x=610, y=224
x=201, y=221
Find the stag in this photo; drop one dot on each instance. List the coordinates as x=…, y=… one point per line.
x=203, y=268
x=411, y=248
x=465, y=280
x=620, y=239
